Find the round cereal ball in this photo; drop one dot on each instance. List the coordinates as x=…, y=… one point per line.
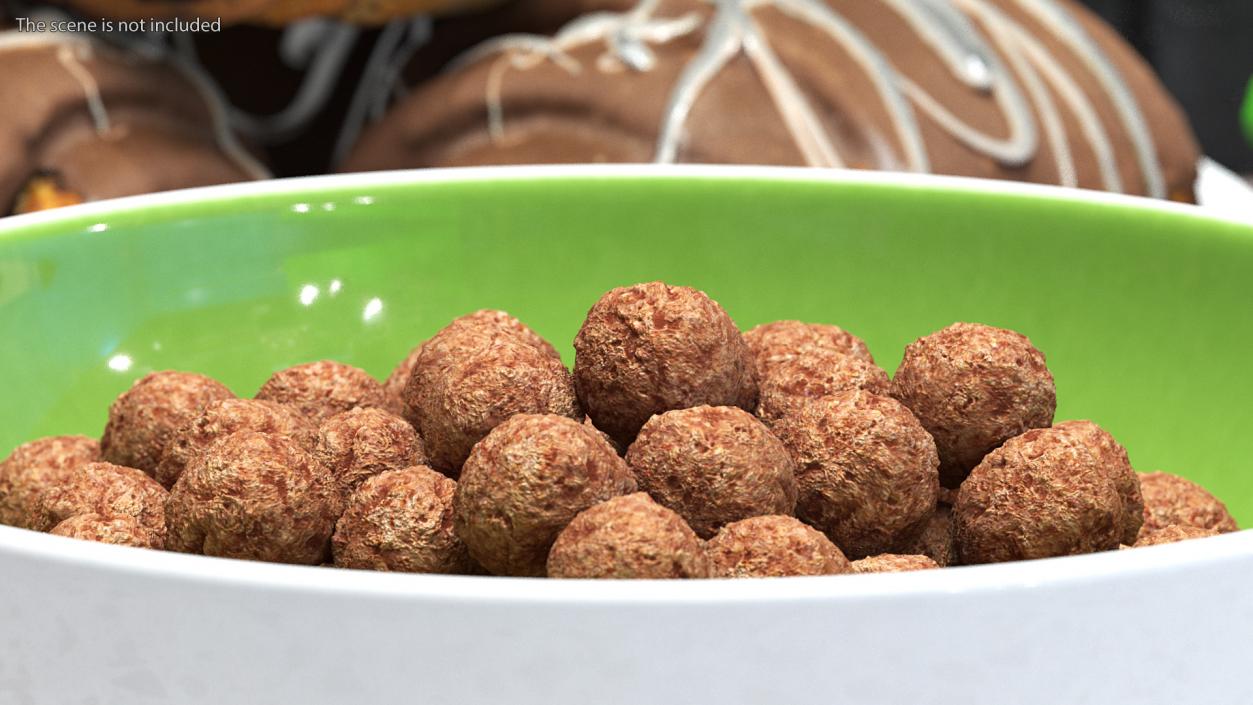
x=1170, y=500
x=319, y=390
x=784, y=341
x=118, y=530
x=937, y=540
x=394, y=387
x=713, y=465
x=361, y=443
x=629, y=537
x=145, y=418
x=469, y=378
x=222, y=418
x=1112, y=457
x=256, y=496
x=974, y=387
x=401, y=520
x=525, y=481
x=1173, y=534
x=893, y=563
x=773, y=546
x=818, y=374
x=108, y=490
x=866, y=470
x=650, y=348
x=33, y=467
x=1039, y=495
x=502, y=319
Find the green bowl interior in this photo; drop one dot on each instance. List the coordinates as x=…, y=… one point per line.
x=1144, y=314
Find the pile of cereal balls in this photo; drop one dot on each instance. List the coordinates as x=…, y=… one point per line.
x=678, y=447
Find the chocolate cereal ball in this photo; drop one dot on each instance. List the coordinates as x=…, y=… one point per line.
x=361, y=443
x=33, y=467
x=937, y=540
x=144, y=419
x=1173, y=534
x=401, y=520
x=395, y=384
x=1038, y=495
x=893, y=563
x=222, y=418
x=319, y=390
x=523, y=484
x=630, y=537
x=470, y=377
x=650, y=348
x=816, y=374
x=118, y=530
x=973, y=387
x=256, y=496
x=1170, y=500
x=866, y=470
x=773, y=546
x=1111, y=457
x=108, y=490
x=782, y=341
x=713, y=465
x=502, y=319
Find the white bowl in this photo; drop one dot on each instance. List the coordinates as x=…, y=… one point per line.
x=88, y=623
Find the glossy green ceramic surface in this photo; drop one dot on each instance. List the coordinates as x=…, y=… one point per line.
x=1145, y=314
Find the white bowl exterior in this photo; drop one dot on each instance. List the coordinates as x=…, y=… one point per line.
x=93, y=623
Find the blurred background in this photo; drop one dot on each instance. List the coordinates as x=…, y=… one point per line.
x=1203, y=51
x=304, y=89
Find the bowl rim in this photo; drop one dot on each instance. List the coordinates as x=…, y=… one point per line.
x=294, y=187
x=247, y=575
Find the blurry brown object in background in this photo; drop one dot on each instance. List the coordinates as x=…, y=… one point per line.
x=85, y=121
x=991, y=89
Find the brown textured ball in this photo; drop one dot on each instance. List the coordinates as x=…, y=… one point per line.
x=119, y=530
x=650, y=348
x=469, y=378
x=401, y=520
x=361, y=443
x=319, y=390
x=866, y=470
x=1173, y=534
x=145, y=418
x=630, y=537
x=1112, y=457
x=33, y=467
x=893, y=563
x=257, y=496
x=974, y=387
x=523, y=484
x=937, y=540
x=783, y=341
x=108, y=490
x=395, y=384
x=713, y=465
x=1170, y=500
x=502, y=319
x=1038, y=495
x=817, y=374
x=222, y=418
x=773, y=546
